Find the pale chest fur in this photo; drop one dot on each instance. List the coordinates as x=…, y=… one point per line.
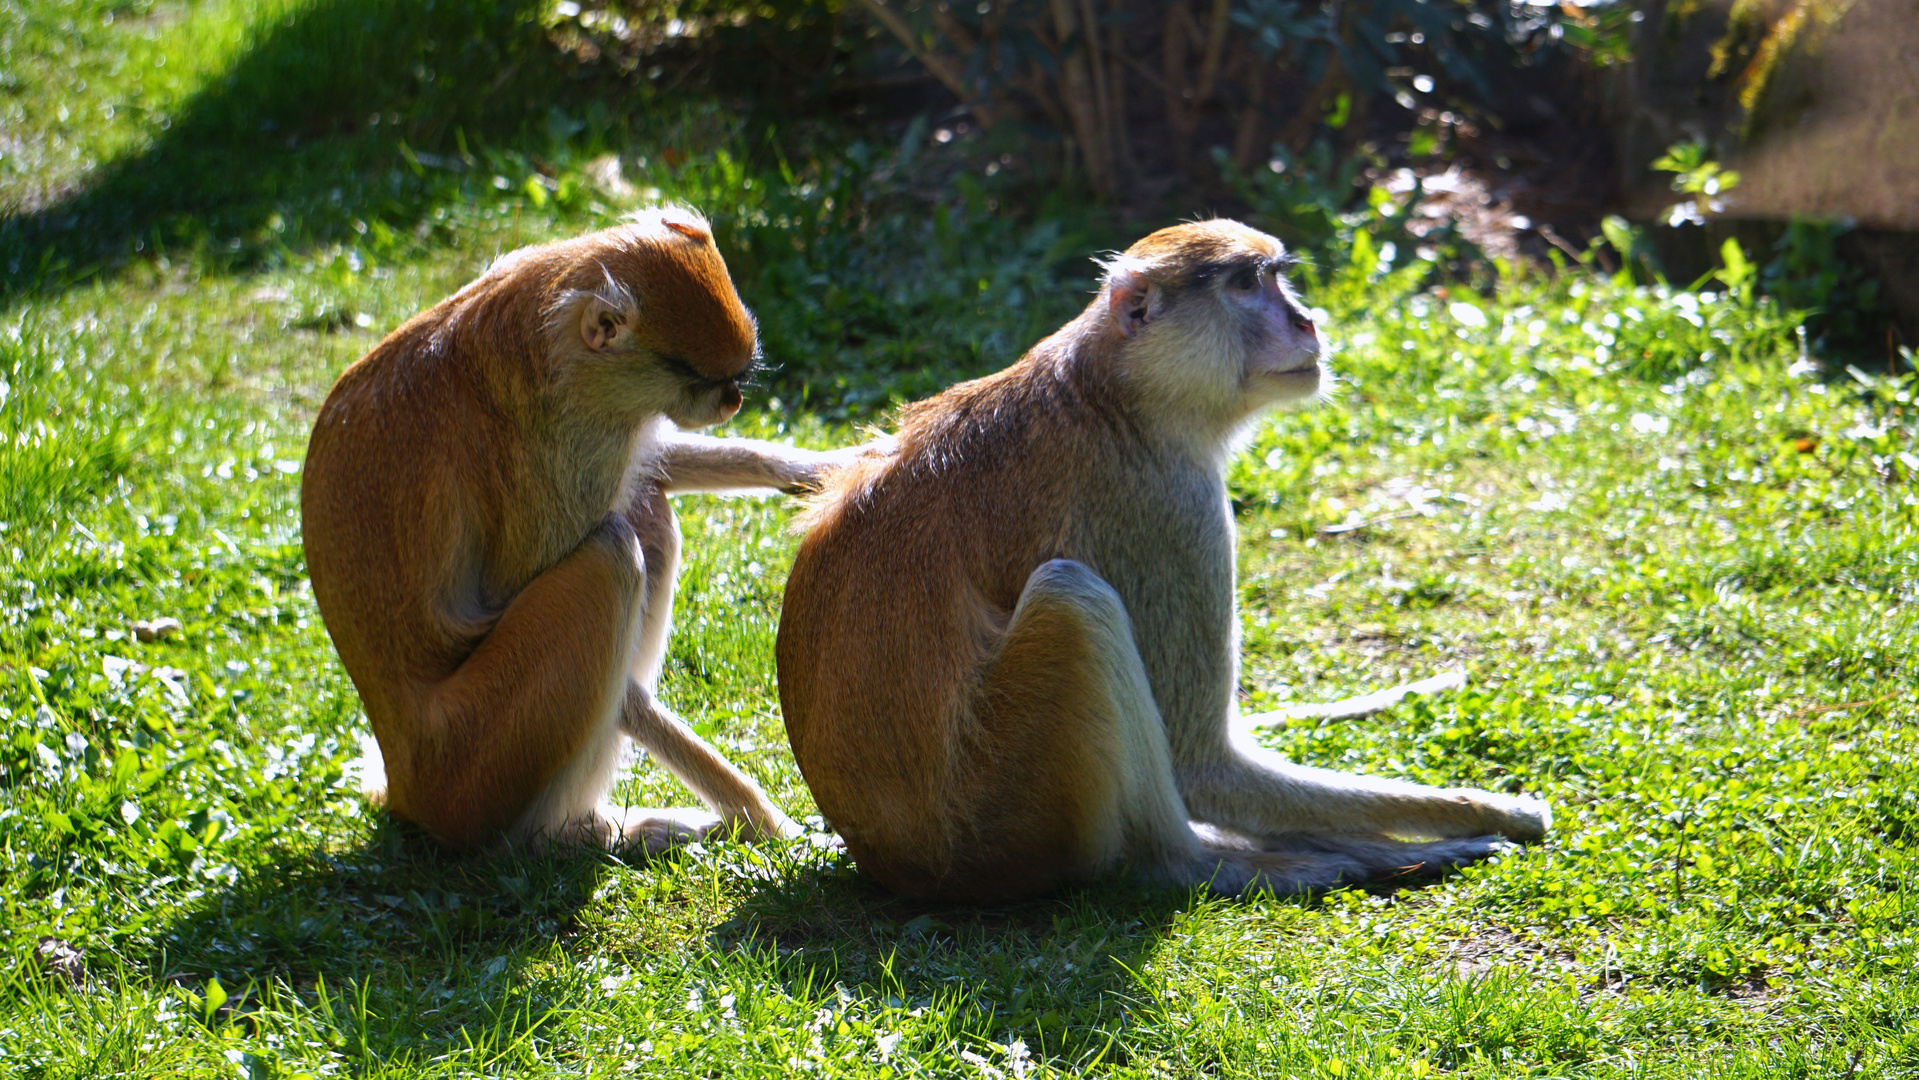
x=576, y=478
x=1163, y=537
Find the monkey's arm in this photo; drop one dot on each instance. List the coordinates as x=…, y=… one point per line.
x=728, y=791
x=691, y=463
x=527, y=699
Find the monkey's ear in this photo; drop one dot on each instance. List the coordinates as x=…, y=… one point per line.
x=1133, y=301
x=603, y=327
x=686, y=222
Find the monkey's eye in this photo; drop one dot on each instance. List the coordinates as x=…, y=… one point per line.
x=1245, y=279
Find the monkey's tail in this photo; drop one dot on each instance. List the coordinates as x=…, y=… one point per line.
x=1302, y=863
x=372, y=769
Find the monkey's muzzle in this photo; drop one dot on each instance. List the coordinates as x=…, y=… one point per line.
x=707, y=402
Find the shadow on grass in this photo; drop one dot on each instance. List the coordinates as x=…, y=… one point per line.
x=429, y=942
x=1059, y=973
x=1064, y=974
x=302, y=137
x=429, y=947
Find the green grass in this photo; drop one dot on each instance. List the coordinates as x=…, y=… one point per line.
x=1683, y=574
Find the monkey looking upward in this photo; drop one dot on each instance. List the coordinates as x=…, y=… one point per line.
x=490, y=542
x=1009, y=652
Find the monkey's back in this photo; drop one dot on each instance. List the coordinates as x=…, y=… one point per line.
x=389, y=485
x=373, y=506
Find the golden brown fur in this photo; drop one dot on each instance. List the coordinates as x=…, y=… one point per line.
x=1008, y=654
x=490, y=542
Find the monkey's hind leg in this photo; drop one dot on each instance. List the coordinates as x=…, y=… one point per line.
x=522, y=738
x=1066, y=773
x=1084, y=777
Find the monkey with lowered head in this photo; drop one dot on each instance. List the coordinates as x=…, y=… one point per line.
x=1009, y=652
x=490, y=542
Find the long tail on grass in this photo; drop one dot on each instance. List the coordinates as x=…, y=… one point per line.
x=1354, y=707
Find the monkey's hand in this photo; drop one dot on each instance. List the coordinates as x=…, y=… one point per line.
x=828, y=462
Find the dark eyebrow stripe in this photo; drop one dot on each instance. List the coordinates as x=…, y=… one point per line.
x=687, y=372
x=1276, y=264
x=1207, y=271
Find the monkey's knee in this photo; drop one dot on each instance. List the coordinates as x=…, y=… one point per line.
x=1066, y=654
x=1069, y=614
x=624, y=544
x=1070, y=584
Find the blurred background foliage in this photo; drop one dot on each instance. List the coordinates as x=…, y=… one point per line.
x=1133, y=92
x=995, y=137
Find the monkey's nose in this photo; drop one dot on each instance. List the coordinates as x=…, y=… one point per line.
x=1305, y=326
x=730, y=395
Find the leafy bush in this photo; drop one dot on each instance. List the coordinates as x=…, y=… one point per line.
x=1132, y=94
x=1835, y=298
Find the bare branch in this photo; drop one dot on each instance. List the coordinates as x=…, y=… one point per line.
x=943, y=70
x=1215, y=49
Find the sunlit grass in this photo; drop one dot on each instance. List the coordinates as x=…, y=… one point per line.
x=1682, y=572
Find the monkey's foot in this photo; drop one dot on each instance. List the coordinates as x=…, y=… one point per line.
x=657, y=829
x=772, y=825
x=1519, y=817
x=1291, y=865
